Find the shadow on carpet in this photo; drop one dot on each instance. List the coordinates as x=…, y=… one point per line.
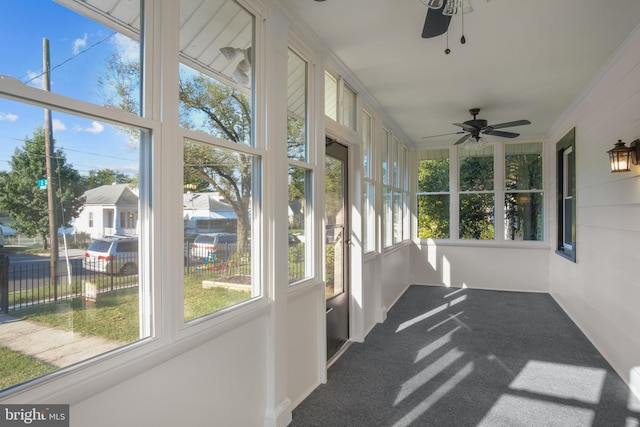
x=462, y=357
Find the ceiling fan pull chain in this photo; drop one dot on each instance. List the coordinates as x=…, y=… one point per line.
x=463, y=40
x=447, y=50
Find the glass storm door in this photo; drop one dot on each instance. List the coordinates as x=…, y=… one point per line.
x=336, y=247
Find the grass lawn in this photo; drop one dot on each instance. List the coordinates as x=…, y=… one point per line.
x=17, y=368
x=114, y=316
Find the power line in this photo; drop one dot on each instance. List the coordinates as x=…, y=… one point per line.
x=72, y=57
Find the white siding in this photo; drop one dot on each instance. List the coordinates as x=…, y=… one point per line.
x=600, y=292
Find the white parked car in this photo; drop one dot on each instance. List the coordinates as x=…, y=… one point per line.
x=112, y=255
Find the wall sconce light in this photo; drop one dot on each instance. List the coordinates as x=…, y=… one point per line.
x=622, y=156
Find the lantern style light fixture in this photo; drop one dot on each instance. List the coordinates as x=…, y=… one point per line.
x=621, y=157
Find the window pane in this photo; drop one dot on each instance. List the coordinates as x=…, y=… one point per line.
x=476, y=169
x=349, y=107
x=477, y=216
x=99, y=286
x=97, y=61
x=217, y=243
x=524, y=216
x=395, y=147
x=385, y=157
x=299, y=181
x=330, y=96
x=387, y=217
x=523, y=166
x=397, y=217
x=215, y=74
x=369, y=217
x=297, y=107
x=433, y=216
x=367, y=135
x=406, y=217
x=433, y=175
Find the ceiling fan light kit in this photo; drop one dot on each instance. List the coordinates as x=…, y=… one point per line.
x=439, y=15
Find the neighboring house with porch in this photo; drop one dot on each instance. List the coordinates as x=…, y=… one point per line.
x=109, y=210
x=207, y=213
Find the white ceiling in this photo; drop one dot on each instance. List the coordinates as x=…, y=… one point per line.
x=522, y=59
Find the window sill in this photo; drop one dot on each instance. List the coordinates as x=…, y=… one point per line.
x=531, y=244
x=567, y=255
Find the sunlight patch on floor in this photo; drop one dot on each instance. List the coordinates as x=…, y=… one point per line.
x=558, y=380
x=430, y=313
x=427, y=374
x=520, y=411
x=634, y=383
x=435, y=345
x=434, y=397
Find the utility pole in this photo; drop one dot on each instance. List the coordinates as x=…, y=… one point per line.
x=51, y=194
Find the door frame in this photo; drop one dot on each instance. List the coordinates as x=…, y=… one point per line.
x=338, y=307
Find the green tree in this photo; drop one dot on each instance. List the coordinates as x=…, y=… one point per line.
x=433, y=209
x=523, y=211
x=205, y=103
x=101, y=177
x=27, y=204
x=477, y=210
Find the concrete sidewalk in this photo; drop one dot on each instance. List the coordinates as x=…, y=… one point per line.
x=56, y=346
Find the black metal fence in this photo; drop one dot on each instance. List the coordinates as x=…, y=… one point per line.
x=27, y=284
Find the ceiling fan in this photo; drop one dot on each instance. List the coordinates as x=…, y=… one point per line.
x=477, y=127
x=435, y=23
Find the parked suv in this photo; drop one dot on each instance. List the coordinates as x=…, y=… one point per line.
x=112, y=255
x=214, y=247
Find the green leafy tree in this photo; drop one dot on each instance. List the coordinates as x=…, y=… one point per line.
x=205, y=103
x=477, y=210
x=433, y=209
x=25, y=202
x=101, y=177
x=524, y=210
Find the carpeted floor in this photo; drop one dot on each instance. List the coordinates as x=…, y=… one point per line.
x=461, y=357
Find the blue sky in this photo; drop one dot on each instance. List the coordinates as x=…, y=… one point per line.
x=79, y=48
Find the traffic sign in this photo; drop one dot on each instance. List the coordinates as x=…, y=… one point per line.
x=42, y=184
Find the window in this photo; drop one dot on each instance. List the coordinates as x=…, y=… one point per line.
x=330, y=96
x=524, y=198
x=300, y=171
x=222, y=169
x=476, y=195
x=348, y=107
x=394, y=191
x=340, y=101
x=369, y=188
x=566, y=196
x=87, y=146
x=434, y=195
x=458, y=200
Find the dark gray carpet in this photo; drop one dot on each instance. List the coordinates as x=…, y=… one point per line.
x=461, y=357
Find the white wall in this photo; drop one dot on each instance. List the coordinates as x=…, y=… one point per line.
x=219, y=383
x=396, y=275
x=482, y=267
x=601, y=291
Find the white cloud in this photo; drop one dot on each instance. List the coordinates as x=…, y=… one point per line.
x=35, y=79
x=58, y=125
x=95, y=128
x=127, y=48
x=79, y=44
x=8, y=117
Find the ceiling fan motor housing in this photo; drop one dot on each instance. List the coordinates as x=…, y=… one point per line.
x=477, y=123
